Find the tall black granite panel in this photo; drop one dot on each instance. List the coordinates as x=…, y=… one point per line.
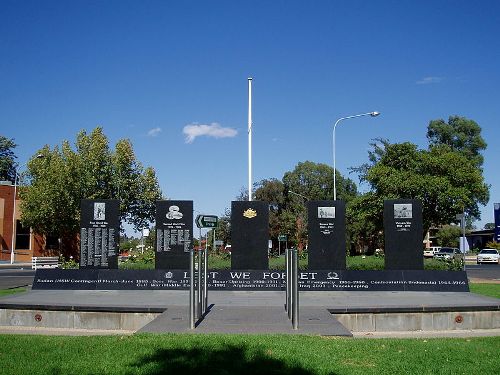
x=403, y=232
x=99, y=233
x=174, y=234
x=327, y=240
x=249, y=235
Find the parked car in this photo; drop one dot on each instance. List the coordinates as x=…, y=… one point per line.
x=488, y=256
x=431, y=251
x=449, y=253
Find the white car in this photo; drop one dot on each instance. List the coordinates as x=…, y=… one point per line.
x=488, y=256
x=431, y=251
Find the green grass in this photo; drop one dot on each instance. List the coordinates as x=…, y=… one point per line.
x=245, y=354
x=490, y=290
x=8, y=292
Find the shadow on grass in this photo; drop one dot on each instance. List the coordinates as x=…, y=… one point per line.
x=230, y=360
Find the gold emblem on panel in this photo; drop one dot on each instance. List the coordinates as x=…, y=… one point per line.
x=250, y=213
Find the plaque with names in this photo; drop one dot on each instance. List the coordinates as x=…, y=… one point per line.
x=99, y=233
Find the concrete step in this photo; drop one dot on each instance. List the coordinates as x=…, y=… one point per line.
x=249, y=319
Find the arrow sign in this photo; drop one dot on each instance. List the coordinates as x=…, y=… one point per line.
x=206, y=221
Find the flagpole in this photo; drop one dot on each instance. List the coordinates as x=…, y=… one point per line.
x=250, y=139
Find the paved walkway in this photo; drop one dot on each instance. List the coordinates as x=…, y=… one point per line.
x=159, y=300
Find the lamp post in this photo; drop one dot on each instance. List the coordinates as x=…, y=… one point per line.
x=372, y=114
x=13, y=241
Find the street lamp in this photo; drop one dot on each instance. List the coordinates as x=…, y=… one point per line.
x=372, y=114
x=13, y=242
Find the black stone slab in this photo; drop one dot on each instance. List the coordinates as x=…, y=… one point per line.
x=249, y=235
x=261, y=280
x=99, y=233
x=403, y=232
x=174, y=234
x=327, y=241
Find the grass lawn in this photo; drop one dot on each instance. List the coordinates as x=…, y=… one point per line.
x=490, y=290
x=245, y=354
x=6, y=292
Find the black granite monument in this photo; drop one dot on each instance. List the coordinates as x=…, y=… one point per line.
x=326, y=228
x=99, y=233
x=403, y=234
x=249, y=235
x=174, y=234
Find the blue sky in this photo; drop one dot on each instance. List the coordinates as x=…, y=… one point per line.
x=145, y=70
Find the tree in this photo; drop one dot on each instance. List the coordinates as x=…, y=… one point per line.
x=315, y=181
x=365, y=223
x=272, y=192
x=7, y=159
x=223, y=230
x=65, y=176
x=444, y=180
x=489, y=226
x=310, y=181
x=459, y=134
x=448, y=235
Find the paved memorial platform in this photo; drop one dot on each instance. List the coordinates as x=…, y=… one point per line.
x=251, y=311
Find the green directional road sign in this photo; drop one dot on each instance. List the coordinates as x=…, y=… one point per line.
x=282, y=238
x=206, y=221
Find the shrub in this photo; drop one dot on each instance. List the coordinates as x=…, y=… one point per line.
x=493, y=245
x=68, y=264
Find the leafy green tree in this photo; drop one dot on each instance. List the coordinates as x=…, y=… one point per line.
x=7, y=159
x=310, y=181
x=489, y=226
x=365, y=223
x=444, y=180
x=223, y=230
x=272, y=191
x=315, y=181
x=448, y=235
x=459, y=134
x=65, y=176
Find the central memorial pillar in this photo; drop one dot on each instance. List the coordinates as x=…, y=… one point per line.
x=249, y=235
x=403, y=232
x=174, y=234
x=326, y=228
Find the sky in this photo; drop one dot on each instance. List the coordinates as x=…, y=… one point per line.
x=171, y=76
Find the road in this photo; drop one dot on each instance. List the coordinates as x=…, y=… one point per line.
x=483, y=271
x=12, y=278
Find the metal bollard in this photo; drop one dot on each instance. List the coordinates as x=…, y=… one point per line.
x=192, y=298
x=205, y=281
x=289, y=283
x=295, y=288
x=199, y=299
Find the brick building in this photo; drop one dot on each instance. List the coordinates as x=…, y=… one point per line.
x=26, y=243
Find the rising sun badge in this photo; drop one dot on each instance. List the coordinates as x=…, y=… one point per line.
x=250, y=213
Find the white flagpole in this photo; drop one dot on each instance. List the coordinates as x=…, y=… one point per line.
x=250, y=139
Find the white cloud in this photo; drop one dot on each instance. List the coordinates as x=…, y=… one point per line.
x=429, y=80
x=154, y=132
x=213, y=130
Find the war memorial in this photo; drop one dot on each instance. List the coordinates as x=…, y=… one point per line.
x=182, y=294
